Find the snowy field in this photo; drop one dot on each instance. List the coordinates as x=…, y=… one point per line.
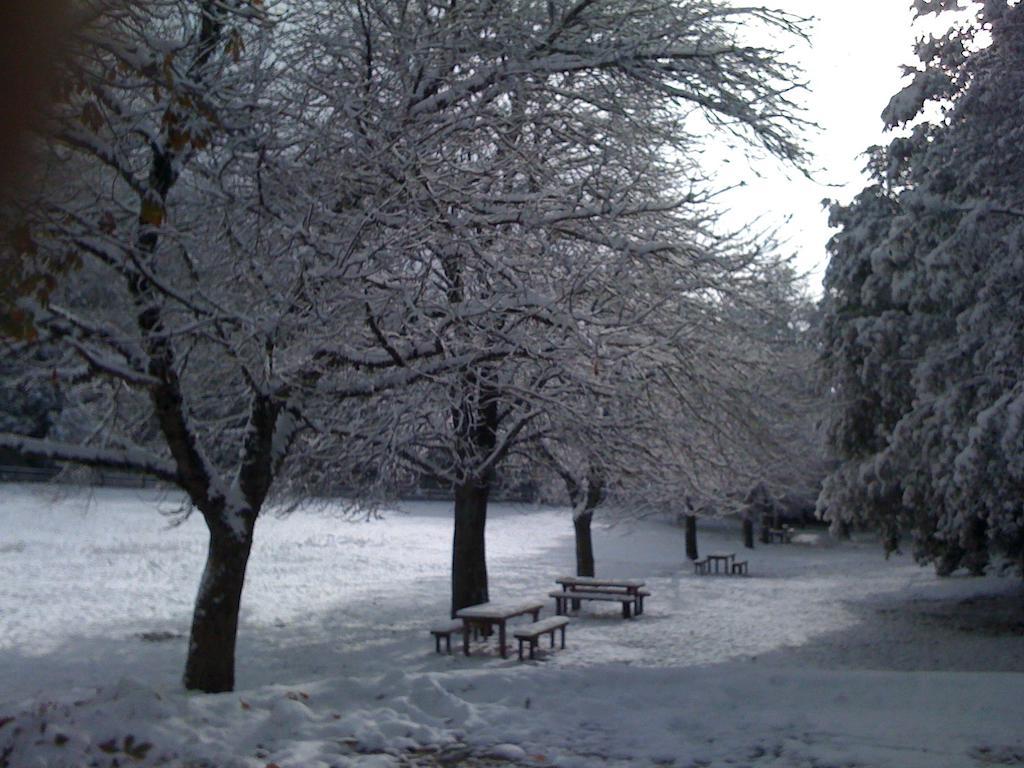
x=825, y=657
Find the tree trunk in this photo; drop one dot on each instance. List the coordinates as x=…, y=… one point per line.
x=691, y=537
x=210, y=666
x=584, y=544
x=748, y=533
x=469, y=561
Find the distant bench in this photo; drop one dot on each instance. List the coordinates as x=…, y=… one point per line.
x=531, y=633
x=720, y=563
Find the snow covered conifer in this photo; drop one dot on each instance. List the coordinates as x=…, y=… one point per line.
x=925, y=326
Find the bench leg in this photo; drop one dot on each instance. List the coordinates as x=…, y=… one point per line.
x=447, y=643
x=552, y=638
x=533, y=646
x=563, y=636
x=625, y=609
x=575, y=605
x=520, y=648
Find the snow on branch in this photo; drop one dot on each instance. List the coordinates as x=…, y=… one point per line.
x=132, y=459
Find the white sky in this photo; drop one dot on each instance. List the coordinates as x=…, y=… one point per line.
x=853, y=68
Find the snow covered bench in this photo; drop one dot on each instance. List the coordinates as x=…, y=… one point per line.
x=739, y=567
x=531, y=633
x=637, y=594
x=454, y=627
x=562, y=600
x=700, y=567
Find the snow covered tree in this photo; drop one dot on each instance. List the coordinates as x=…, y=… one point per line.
x=154, y=101
x=190, y=279
x=924, y=325
x=700, y=401
x=527, y=143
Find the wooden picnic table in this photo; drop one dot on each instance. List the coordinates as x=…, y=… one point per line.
x=586, y=582
x=486, y=615
x=725, y=559
x=593, y=588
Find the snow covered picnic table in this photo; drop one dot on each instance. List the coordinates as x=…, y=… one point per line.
x=485, y=615
x=717, y=562
x=630, y=592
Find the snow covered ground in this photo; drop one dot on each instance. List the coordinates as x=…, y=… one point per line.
x=826, y=656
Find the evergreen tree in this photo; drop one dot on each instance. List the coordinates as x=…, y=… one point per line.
x=924, y=326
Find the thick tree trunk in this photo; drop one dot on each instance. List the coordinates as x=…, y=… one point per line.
x=748, y=533
x=584, y=544
x=691, y=537
x=469, y=560
x=975, y=544
x=210, y=666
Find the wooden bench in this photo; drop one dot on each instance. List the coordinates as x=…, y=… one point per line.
x=562, y=600
x=455, y=627
x=733, y=567
x=530, y=633
x=638, y=596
